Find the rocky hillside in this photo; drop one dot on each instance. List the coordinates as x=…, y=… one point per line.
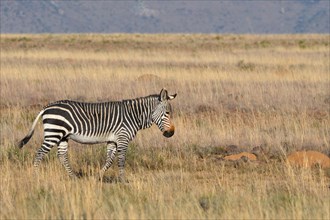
x=301, y=16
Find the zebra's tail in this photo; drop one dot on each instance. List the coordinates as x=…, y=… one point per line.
x=26, y=139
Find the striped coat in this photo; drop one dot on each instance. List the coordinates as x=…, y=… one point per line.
x=115, y=123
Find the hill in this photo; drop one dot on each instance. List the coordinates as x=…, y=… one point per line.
x=303, y=16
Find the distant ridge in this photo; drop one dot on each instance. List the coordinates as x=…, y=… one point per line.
x=255, y=17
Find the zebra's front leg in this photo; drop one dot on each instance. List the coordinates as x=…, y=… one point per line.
x=122, y=148
x=62, y=154
x=111, y=153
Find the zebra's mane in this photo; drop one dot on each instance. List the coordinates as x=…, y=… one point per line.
x=64, y=101
x=142, y=98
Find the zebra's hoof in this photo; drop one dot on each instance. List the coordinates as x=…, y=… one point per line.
x=122, y=180
x=74, y=177
x=107, y=179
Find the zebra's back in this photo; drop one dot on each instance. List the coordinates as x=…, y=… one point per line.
x=84, y=122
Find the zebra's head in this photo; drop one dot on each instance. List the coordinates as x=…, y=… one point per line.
x=161, y=115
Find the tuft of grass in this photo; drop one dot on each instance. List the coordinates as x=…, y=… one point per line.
x=302, y=44
x=246, y=66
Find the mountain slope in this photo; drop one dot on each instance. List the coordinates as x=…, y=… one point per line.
x=303, y=16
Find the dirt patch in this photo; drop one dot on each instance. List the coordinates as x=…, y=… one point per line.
x=309, y=159
x=235, y=157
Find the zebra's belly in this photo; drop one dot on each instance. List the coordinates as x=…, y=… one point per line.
x=92, y=139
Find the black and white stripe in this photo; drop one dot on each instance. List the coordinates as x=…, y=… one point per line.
x=114, y=123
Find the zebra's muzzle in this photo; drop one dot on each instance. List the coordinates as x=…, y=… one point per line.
x=169, y=133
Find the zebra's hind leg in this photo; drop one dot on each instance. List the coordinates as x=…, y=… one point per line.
x=41, y=152
x=111, y=153
x=122, y=148
x=62, y=154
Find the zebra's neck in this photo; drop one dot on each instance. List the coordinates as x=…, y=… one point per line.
x=139, y=111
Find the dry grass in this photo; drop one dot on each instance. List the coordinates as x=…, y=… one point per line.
x=248, y=91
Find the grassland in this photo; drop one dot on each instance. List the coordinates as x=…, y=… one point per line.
x=242, y=90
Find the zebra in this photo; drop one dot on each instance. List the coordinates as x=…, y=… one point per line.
x=115, y=123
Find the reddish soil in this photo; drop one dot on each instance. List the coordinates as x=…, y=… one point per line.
x=240, y=155
x=309, y=159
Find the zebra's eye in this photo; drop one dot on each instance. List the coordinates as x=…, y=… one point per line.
x=167, y=112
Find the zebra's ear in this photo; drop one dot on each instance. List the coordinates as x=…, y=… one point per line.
x=163, y=95
x=170, y=97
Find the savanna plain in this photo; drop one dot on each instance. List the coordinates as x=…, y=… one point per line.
x=268, y=95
